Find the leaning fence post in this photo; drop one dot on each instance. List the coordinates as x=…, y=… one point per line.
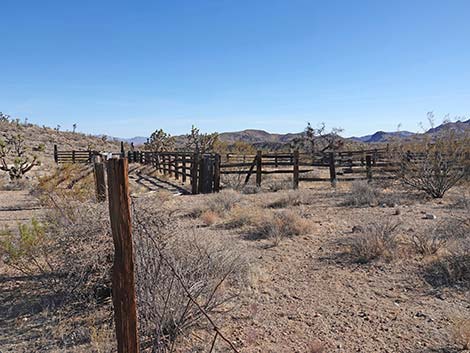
x=369, y=168
x=332, y=169
x=296, y=169
x=56, y=154
x=258, y=168
x=124, y=299
x=100, y=185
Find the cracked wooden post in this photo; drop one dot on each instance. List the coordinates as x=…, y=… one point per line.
x=124, y=298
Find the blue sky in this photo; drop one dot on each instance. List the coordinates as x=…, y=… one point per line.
x=126, y=68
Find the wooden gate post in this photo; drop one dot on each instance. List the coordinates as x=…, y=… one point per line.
x=124, y=299
x=259, y=164
x=73, y=156
x=369, y=168
x=100, y=184
x=332, y=169
x=296, y=170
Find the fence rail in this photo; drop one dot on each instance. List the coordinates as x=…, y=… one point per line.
x=203, y=171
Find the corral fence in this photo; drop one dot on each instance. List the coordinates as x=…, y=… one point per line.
x=202, y=172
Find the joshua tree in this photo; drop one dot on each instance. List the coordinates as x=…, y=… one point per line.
x=160, y=141
x=74, y=127
x=13, y=150
x=319, y=140
x=196, y=141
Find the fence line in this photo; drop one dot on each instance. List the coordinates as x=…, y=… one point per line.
x=204, y=171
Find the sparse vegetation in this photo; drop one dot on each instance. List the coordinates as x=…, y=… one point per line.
x=14, y=158
x=279, y=225
x=376, y=240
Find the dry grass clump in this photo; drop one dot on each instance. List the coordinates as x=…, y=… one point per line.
x=209, y=217
x=461, y=332
x=172, y=263
x=363, y=193
x=218, y=203
x=242, y=216
x=452, y=267
x=288, y=199
x=374, y=241
x=278, y=185
x=279, y=225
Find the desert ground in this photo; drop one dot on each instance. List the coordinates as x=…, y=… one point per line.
x=303, y=288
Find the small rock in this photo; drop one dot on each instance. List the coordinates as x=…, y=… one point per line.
x=357, y=229
x=397, y=212
x=429, y=216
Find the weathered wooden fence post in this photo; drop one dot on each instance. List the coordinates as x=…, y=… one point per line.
x=123, y=153
x=124, y=298
x=56, y=154
x=100, y=184
x=369, y=168
x=194, y=169
x=73, y=156
x=217, y=172
x=183, y=168
x=176, y=166
x=332, y=169
x=295, y=178
x=259, y=165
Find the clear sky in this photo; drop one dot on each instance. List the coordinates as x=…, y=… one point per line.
x=126, y=68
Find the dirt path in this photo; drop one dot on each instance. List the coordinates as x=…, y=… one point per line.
x=17, y=206
x=140, y=179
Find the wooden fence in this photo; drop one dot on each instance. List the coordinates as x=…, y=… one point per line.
x=203, y=171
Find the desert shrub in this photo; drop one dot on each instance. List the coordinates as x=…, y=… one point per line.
x=436, y=164
x=219, y=203
x=72, y=245
x=209, y=217
x=176, y=269
x=461, y=332
x=374, y=241
x=278, y=185
x=289, y=198
x=363, y=193
x=241, y=216
x=452, y=268
x=279, y=225
x=26, y=250
x=250, y=189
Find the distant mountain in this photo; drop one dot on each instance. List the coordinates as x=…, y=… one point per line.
x=457, y=126
x=382, y=136
x=257, y=136
x=265, y=140
x=137, y=140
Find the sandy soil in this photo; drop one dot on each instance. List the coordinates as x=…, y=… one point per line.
x=306, y=292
